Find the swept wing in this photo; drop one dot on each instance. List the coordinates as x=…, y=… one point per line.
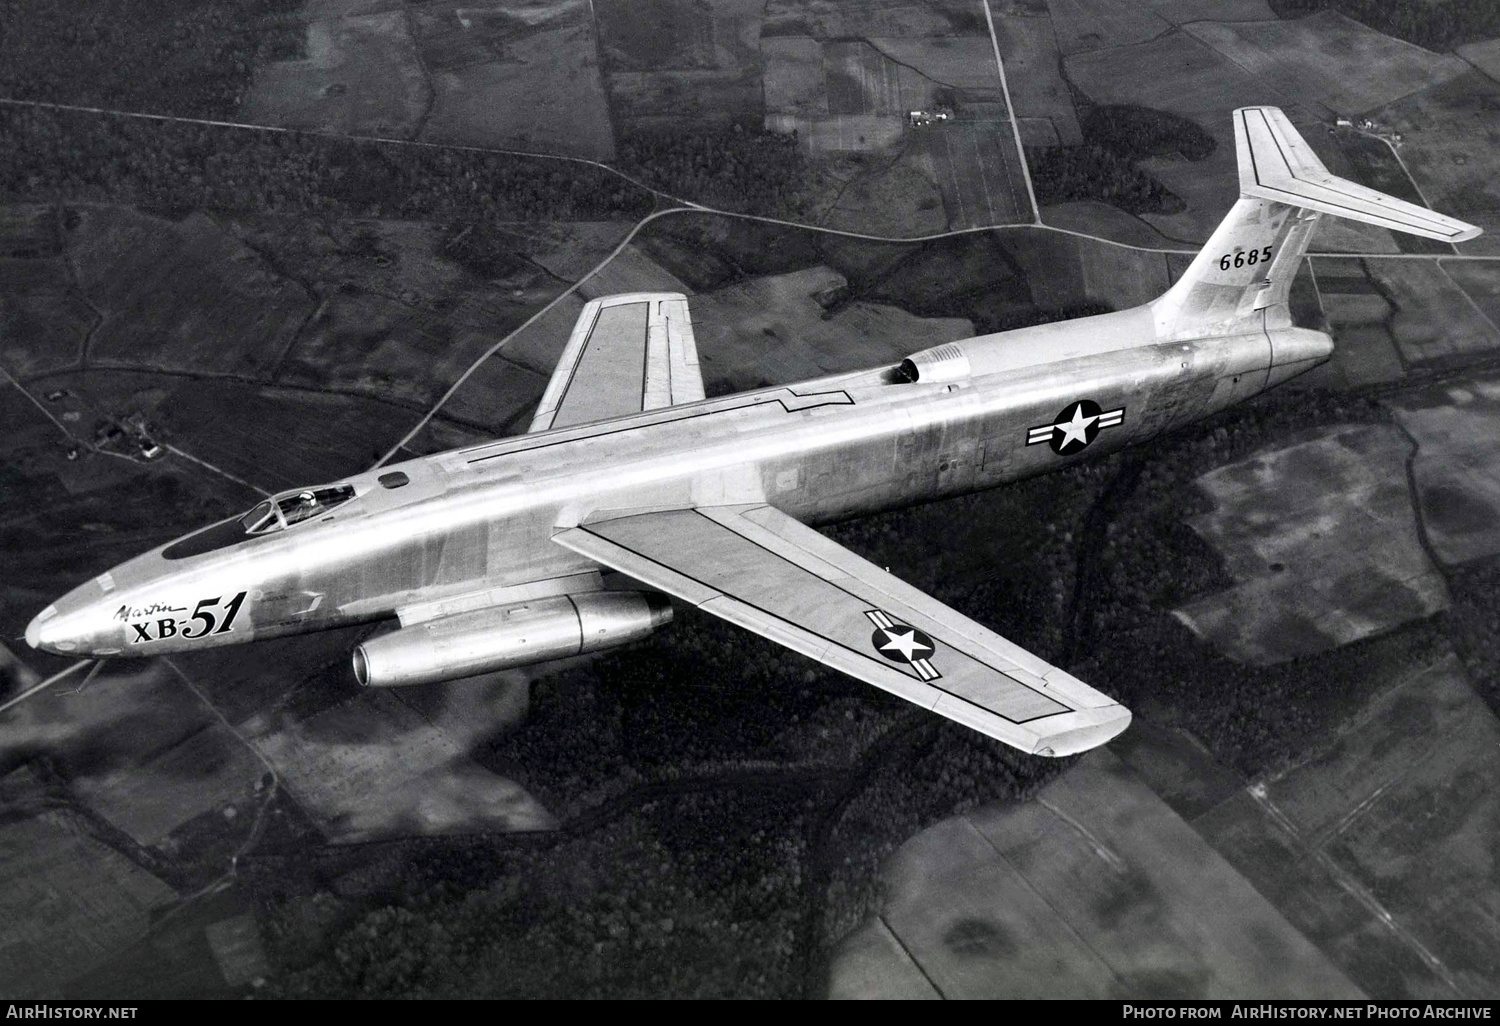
x=757, y=567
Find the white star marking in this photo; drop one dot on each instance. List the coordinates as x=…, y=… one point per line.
x=905, y=643
x=1076, y=429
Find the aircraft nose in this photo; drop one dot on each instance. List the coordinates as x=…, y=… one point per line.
x=34, y=628
x=76, y=624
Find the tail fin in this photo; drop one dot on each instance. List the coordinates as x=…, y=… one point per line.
x=1241, y=279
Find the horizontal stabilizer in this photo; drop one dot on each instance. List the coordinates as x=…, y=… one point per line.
x=1277, y=164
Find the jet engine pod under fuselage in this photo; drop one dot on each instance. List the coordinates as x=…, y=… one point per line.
x=485, y=640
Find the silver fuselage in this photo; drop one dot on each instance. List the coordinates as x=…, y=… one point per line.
x=479, y=521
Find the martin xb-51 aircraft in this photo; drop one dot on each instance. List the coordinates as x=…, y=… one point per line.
x=494, y=556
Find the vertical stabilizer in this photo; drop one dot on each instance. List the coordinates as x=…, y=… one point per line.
x=1241, y=279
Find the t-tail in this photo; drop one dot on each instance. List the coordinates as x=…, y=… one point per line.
x=1241, y=279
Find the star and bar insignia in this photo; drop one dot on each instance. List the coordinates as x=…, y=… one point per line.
x=903, y=643
x=1076, y=426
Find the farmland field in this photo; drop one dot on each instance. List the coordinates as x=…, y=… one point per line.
x=1456, y=472
x=150, y=278
x=1321, y=537
x=631, y=271
x=773, y=330
x=1358, y=318
x=1450, y=143
x=1433, y=318
x=834, y=19
x=1377, y=844
x=515, y=77
x=1033, y=74
x=360, y=75
x=898, y=198
x=67, y=902
x=1083, y=25
x=1329, y=60
x=1378, y=166
x=978, y=170
x=1052, y=897
x=681, y=63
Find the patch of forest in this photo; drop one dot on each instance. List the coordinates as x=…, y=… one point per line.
x=192, y=59
x=730, y=167
x=174, y=167
x=1434, y=24
x=1103, y=167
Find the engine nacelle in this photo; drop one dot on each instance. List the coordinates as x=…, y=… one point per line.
x=484, y=640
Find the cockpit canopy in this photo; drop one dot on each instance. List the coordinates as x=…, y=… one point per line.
x=288, y=508
x=275, y=514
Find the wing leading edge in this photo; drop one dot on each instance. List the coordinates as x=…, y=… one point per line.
x=756, y=567
x=627, y=354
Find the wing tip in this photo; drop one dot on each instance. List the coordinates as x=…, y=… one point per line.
x=1099, y=726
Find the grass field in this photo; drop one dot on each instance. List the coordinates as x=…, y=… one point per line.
x=773, y=330
x=43, y=331
x=1180, y=12
x=631, y=271
x=658, y=35
x=361, y=75
x=891, y=198
x=1094, y=218
x=977, y=168
x=1329, y=60
x=1094, y=888
x=679, y=63
x=67, y=902
x=1033, y=72
x=1322, y=539
x=965, y=64
x=499, y=396
x=209, y=771
x=1083, y=25
x=794, y=77
x=1377, y=844
x=1121, y=277
x=1480, y=281
x=860, y=79
x=1450, y=143
x=182, y=295
x=278, y=437
x=1359, y=320
x=1433, y=319
x=1456, y=472
x=503, y=80
x=1378, y=166
x=835, y=19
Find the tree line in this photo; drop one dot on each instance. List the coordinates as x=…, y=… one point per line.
x=1434, y=24
x=47, y=155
